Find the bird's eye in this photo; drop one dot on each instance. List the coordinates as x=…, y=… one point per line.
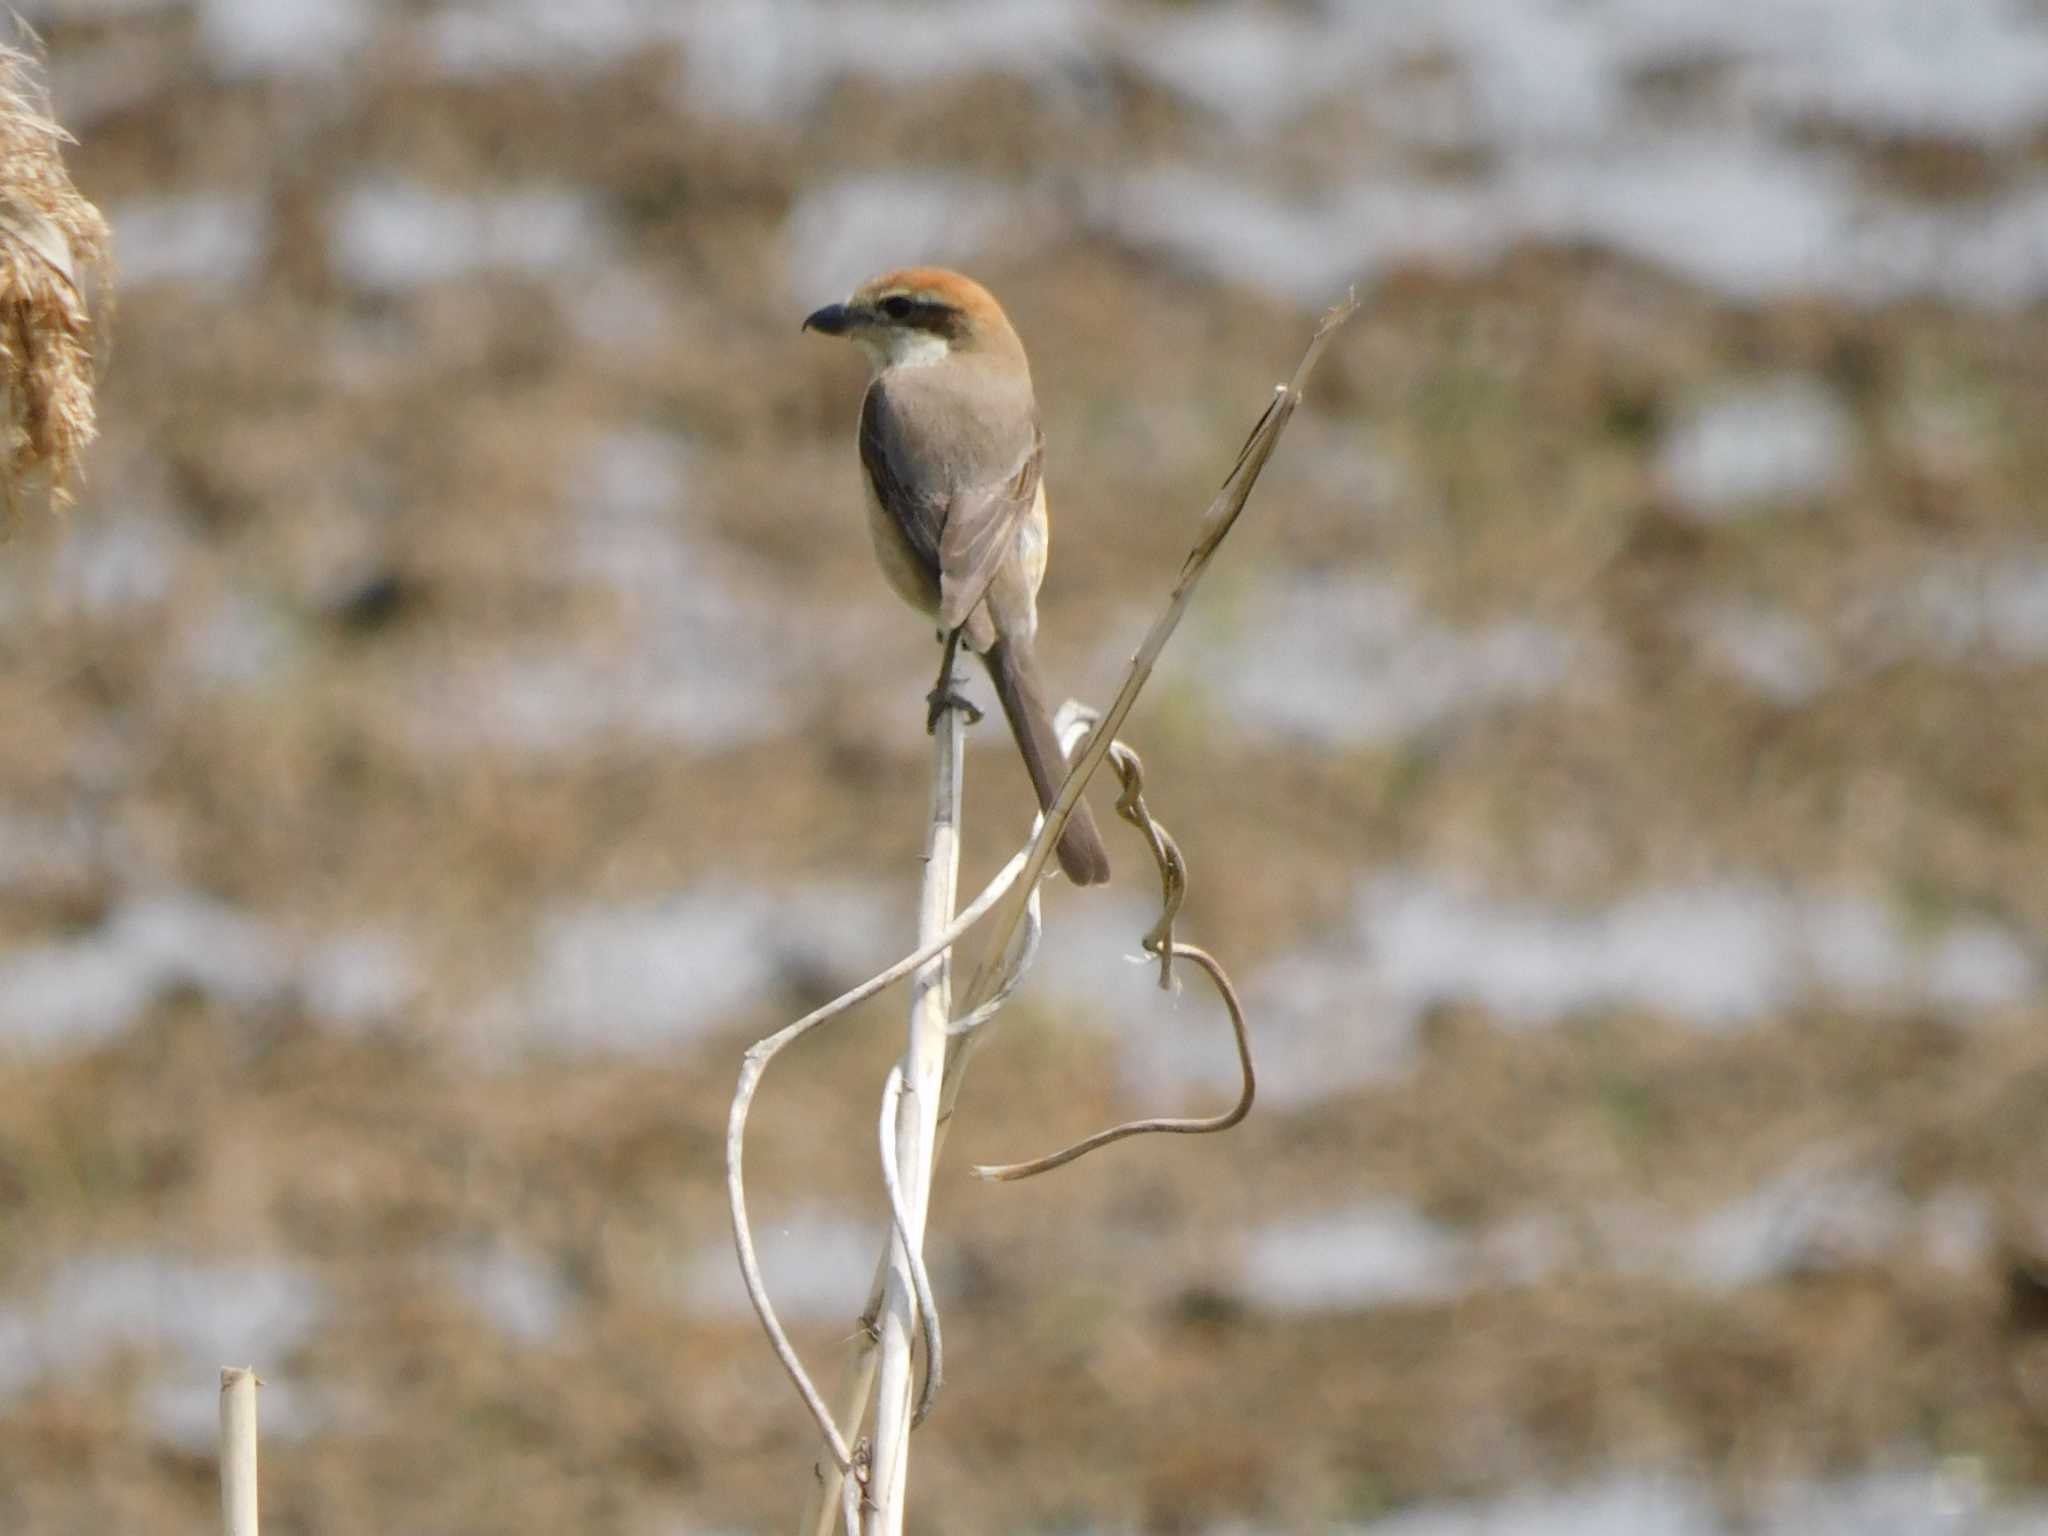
x=897, y=307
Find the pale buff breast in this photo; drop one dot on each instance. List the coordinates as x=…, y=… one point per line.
x=1034, y=544
x=915, y=582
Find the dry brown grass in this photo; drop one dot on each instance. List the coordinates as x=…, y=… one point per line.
x=53, y=264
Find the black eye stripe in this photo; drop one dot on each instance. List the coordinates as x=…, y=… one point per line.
x=926, y=314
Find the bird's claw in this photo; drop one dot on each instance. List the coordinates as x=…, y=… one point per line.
x=943, y=699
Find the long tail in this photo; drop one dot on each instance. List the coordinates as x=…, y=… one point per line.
x=1014, y=670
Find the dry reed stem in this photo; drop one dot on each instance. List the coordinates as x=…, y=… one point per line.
x=53, y=253
x=830, y=1488
x=920, y=1277
x=916, y=1127
x=892, y=1183
x=238, y=1450
x=752, y=1066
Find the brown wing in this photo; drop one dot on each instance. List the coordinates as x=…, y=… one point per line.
x=980, y=529
x=918, y=513
x=960, y=533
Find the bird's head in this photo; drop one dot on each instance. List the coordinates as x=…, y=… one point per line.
x=919, y=315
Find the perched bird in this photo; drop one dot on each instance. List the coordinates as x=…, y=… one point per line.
x=950, y=454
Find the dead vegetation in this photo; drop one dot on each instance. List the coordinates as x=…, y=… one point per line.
x=54, y=249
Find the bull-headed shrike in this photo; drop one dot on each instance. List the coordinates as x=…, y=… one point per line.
x=950, y=453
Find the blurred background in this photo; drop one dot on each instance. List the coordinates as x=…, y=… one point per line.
x=1613, y=755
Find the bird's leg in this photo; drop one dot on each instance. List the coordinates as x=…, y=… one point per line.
x=943, y=697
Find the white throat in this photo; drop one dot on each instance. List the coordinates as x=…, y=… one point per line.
x=901, y=347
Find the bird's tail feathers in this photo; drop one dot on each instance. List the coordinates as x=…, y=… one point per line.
x=1014, y=670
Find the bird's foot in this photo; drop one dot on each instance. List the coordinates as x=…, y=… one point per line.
x=942, y=699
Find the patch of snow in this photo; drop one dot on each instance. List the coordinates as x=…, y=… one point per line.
x=1713, y=956
x=242, y=643
x=631, y=978
x=263, y=39
x=845, y=231
x=1346, y=659
x=118, y=564
x=181, y=1412
x=1370, y=1255
x=523, y=1297
x=1971, y=609
x=1625, y=1504
x=199, y=1313
x=1778, y=656
x=359, y=979
x=1782, y=440
x=392, y=235
x=1798, y=1222
x=214, y=241
x=815, y=1264
x=772, y=60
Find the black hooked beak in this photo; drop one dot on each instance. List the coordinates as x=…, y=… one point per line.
x=832, y=320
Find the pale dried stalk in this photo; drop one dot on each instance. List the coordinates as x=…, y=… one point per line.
x=829, y=1488
x=917, y=1124
x=892, y=1179
x=829, y=1483
x=1215, y=527
x=1171, y=1125
x=752, y=1066
x=1173, y=894
x=858, y=1368
x=238, y=1450
x=920, y=1277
